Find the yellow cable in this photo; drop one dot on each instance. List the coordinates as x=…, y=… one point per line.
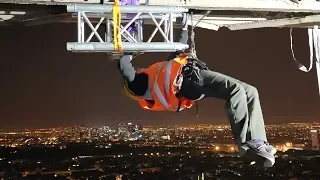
x=126, y=91
x=117, y=22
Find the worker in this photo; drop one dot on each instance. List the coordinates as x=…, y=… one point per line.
x=180, y=81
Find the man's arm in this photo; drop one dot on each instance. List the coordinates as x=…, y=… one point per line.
x=126, y=69
x=137, y=82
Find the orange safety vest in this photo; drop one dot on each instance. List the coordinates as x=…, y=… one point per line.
x=161, y=85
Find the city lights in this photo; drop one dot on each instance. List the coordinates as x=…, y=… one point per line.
x=107, y=151
x=218, y=137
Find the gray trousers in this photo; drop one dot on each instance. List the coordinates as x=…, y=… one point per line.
x=242, y=105
x=242, y=102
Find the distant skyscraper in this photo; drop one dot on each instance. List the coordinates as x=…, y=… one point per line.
x=106, y=129
x=140, y=127
x=315, y=139
x=122, y=129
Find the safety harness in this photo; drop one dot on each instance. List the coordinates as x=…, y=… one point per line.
x=191, y=76
x=190, y=71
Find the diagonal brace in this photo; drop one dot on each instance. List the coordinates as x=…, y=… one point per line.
x=160, y=29
x=131, y=39
x=91, y=26
x=96, y=28
x=156, y=30
x=129, y=23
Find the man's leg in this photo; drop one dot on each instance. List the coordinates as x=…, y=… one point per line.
x=237, y=104
x=243, y=109
x=256, y=120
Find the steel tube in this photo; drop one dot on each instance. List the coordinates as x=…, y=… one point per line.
x=125, y=17
x=124, y=9
x=126, y=47
x=79, y=27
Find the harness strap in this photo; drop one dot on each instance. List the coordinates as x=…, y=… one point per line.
x=179, y=105
x=197, y=107
x=117, y=23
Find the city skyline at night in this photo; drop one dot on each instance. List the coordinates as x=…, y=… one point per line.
x=135, y=151
x=153, y=125
x=65, y=112
x=294, y=133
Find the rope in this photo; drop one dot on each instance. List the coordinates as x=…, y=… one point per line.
x=300, y=65
x=192, y=36
x=117, y=23
x=193, y=51
x=126, y=91
x=314, y=44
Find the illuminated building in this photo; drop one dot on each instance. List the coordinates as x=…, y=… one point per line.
x=118, y=177
x=122, y=129
x=140, y=127
x=314, y=139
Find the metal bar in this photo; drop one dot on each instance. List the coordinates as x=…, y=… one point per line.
x=165, y=26
x=248, y=5
x=168, y=23
x=125, y=8
x=201, y=18
x=128, y=36
x=96, y=28
x=79, y=27
x=140, y=31
x=156, y=30
x=276, y=23
x=131, y=39
x=318, y=74
x=82, y=29
x=91, y=27
x=124, y=17
x=171, y=27
x=236, y=18
x=129, y=23
x=126, y=47
x=108, y=30
x=156, y=23
x=208, y=25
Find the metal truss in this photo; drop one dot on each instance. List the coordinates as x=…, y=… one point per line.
x=163, y=17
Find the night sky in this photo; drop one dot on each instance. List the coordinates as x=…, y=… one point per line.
x=44, y=85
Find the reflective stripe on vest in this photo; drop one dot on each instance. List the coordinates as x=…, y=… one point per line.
x=157, y=90
x=167, y=75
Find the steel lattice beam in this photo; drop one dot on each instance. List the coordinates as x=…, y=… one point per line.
x=162, y=17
